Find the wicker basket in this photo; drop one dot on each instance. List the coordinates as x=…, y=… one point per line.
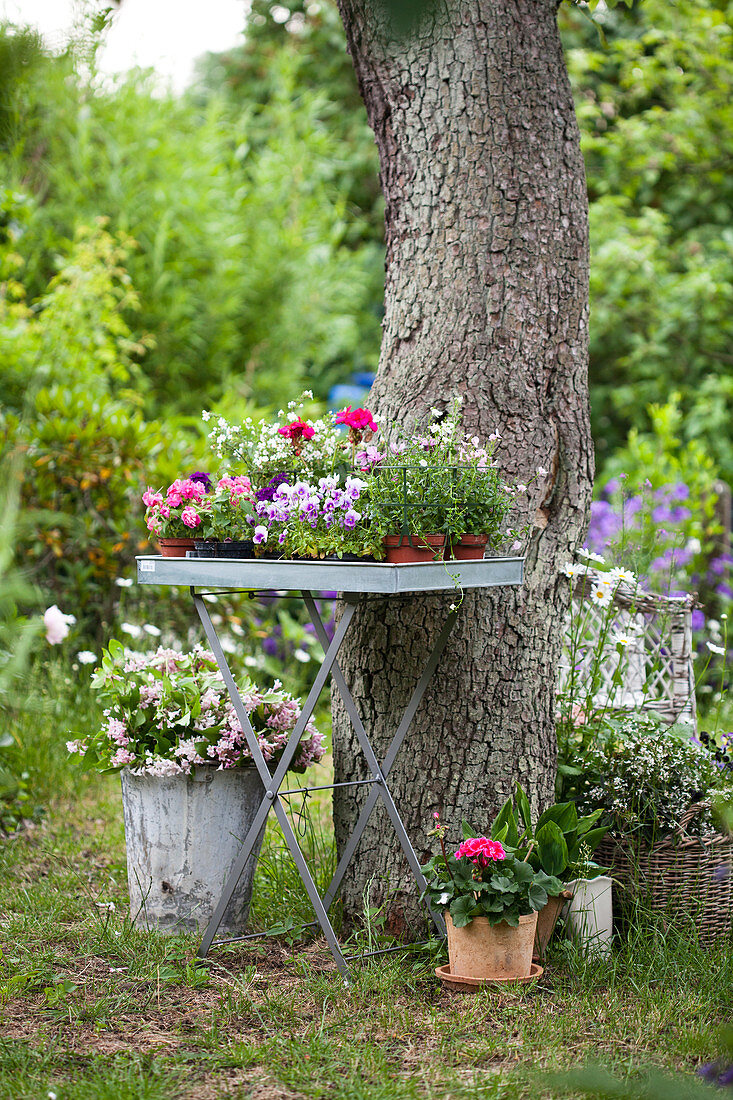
x=682, y=875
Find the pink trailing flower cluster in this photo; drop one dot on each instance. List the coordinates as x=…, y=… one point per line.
x=481, y=851
x=188, y=719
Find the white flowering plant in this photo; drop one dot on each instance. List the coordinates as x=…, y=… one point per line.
x=436, y=479
x=167, y=712
x=646, y=777
x=600, y=640
x=292, y=445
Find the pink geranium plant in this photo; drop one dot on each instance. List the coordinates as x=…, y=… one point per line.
x=484, y=878
x=167, y=712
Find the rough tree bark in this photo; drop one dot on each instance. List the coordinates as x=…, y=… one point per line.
x=486, y=296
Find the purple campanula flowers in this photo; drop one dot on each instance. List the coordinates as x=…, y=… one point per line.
x=698, y=619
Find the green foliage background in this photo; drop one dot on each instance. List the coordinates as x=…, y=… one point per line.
x=161, y=254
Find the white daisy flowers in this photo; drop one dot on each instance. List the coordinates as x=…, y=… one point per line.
x=572, y=569
x=601, y=595
x=592, y=556
x=623, y=576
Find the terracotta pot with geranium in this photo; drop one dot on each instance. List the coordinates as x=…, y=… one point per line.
x=491, y=899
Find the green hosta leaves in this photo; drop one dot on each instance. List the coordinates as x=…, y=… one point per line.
x=523, y=808
x=589, y=840
x=504, y=827
x=552, y=848
x=585, y=823
x=564, y=815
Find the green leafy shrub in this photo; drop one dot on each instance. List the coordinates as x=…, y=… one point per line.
x=250, y=273
x=655, y=107
x=87, y=449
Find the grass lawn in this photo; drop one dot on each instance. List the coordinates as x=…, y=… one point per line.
x=92, y=1008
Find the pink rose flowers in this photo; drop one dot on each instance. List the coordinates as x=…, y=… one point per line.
x=481, y=851
x=190, y=517
x=179, y=511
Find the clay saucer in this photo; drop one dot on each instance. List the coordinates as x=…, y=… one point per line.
x=461, y=984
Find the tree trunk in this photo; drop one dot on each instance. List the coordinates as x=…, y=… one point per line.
x=487, y=297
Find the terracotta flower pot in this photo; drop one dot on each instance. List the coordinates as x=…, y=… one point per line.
x=470, y=547
x=424, y=548
x=175, y=548
x=483, y=950
x=546, y=921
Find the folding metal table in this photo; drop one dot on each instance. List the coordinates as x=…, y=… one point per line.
x=355, y=582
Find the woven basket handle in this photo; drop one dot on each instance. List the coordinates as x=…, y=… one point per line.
x=688, y=816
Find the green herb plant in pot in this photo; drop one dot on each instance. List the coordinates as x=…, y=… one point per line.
x=560, y=845
x=491, y=898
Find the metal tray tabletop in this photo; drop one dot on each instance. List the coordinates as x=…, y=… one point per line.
x=330, y=576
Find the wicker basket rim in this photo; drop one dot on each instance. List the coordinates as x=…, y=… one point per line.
x=670, y=842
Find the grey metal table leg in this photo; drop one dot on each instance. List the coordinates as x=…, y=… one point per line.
x=271, y=783
x=307, y=879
